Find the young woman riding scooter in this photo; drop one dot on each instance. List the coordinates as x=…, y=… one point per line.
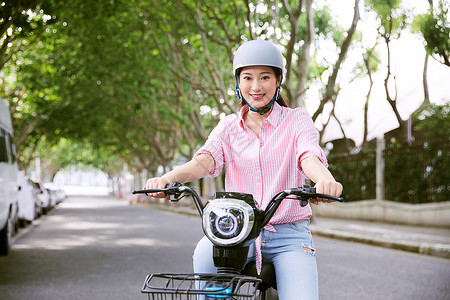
x=265, y=149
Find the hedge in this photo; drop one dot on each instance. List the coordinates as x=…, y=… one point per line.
x=413, y=174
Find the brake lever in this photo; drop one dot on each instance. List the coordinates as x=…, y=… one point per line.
x=303, y=201
x=173, y=191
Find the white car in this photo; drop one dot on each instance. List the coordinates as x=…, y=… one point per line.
x=57, y=194
x=43, y=196
x=29, y=207
x=8, y=181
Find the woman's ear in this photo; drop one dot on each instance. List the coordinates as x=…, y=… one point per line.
x=279, y=80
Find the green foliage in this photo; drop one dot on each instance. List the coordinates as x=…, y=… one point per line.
x=85, y=80
x=125, y=79
x=413, y=174
x=371, y=60
x=316, y=70
x=356, y=172
x=21, y=25
x=433, y=122
x=383, y=8
x=374, y=59
x=67, y=153
x=392, y=17
x=435, y=29
x=418, y=173
x=327, y=27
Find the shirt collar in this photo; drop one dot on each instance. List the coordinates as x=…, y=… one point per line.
x=274, y=118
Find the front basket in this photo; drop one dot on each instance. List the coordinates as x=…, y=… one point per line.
x=192, y=286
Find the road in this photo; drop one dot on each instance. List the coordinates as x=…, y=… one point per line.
x=102, y=248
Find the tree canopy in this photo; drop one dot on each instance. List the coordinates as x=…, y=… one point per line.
x=144, y=81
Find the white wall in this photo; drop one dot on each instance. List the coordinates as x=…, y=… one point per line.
x=429, y=214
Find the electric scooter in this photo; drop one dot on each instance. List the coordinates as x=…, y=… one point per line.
x=231, y=221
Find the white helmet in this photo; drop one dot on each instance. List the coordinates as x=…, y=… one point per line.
x=258, y=53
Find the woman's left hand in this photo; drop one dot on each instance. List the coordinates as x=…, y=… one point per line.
x=329, y=187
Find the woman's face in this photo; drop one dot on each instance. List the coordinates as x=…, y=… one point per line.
x=258, y=85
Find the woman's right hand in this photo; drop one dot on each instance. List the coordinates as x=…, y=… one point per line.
x=157, y=183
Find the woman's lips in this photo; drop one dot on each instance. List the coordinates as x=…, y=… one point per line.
x=257, y=96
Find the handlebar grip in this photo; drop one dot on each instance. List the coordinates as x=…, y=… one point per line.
x=171, y=189
x=147, y=191
x=340, y=199
x=307, y=191
x=134, y=192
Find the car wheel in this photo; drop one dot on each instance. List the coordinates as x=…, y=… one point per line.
x=6, y=236
x=23, y=223
x=16, y=222
x=37, y=212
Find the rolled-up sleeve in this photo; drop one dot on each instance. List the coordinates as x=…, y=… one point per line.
x=214, y=147
x=308, y=141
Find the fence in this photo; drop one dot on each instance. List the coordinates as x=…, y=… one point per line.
x=417, y=173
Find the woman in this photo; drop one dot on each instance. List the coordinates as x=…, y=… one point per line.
x=266, y=149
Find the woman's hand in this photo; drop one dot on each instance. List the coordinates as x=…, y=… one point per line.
x=157, y=183
x=329, y=187
x=325, y=183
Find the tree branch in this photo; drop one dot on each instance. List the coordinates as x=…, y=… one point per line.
x=331, y=92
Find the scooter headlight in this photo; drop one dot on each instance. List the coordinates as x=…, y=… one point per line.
x=227, y=222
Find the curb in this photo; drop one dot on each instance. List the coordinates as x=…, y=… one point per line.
x=439, y=250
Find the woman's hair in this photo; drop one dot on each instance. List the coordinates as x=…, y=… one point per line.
x=278, y=74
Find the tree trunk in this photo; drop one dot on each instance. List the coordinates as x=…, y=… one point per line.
x=331, y=91
x=303, y=62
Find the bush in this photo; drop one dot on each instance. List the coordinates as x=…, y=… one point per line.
x=418, y=173
x=413, y=174
x=356, y=172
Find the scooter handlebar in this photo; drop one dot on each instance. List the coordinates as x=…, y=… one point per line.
x=175, y=191
x=306, y=192
x=302, y=194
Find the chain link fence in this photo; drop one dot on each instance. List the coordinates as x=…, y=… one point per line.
x=417, y=173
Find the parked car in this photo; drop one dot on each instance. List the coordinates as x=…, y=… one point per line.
x=8, y=181
x=29, y=206
x=61, y=195
x=36, y=191
x=56, y=194
x=43, y=196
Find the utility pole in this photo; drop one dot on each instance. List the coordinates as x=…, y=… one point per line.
x=381, y=146
x=38, y=167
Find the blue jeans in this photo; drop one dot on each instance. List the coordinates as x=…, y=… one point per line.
x=291, y=251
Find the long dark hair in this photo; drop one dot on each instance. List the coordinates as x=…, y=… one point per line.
x=278, y=74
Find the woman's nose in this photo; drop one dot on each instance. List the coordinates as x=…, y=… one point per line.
x=256, y=85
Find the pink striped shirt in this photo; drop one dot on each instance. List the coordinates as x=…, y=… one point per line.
x=269, y=164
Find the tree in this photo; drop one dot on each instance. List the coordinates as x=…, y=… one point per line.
x=371, y=61
x=67, y=153
x=392, y=19
x=435, y=30
x=21, y=25
x=133, y=79
x=331, y=90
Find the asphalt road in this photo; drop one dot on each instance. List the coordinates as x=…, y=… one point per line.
x=102, y=248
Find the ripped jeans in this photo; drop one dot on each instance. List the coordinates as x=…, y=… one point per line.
x=291, y=251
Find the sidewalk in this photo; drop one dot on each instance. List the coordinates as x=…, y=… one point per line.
x=433, y=241
x=424, y=240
